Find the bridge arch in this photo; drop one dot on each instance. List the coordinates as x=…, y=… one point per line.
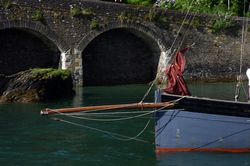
x=21, y=35
x=147, y=37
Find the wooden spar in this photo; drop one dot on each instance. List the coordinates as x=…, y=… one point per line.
x=49, y=111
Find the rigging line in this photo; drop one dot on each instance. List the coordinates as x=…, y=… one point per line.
x=111, y=120
x=244, y=89
x=242, y=39
x=150, y=88
x=242, y=50
x=148, y=91
x=114, y=135
x=120, y=119
x=186, y=32
x=182, y=25
x=216, y=120
x=172, y=117
x=219, y=139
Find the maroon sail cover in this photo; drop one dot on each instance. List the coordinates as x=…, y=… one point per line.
x=176, y=83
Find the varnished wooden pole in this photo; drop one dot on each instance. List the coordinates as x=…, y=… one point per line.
x=49, y=111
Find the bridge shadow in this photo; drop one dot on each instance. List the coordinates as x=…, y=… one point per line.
x=118, y=56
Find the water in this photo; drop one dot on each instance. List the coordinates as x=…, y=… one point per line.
x=28, y=139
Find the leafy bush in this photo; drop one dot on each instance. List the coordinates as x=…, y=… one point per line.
x=210, y=6
x=222, y=22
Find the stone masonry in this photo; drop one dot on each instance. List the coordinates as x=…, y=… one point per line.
x=105, y=43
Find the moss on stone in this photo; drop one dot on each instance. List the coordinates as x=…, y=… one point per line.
x=37, y=85
x=50, y=73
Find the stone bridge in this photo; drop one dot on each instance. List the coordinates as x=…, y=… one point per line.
x=102, y=43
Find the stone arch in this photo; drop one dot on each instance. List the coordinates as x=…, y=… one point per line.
x=149, y=33
x=39, y=32
x=37, y=27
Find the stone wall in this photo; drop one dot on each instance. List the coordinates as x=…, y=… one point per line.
x=97, y=54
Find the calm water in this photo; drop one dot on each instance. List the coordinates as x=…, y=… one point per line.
x=28, y=139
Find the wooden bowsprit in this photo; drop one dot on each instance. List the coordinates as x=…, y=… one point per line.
x=164, y=105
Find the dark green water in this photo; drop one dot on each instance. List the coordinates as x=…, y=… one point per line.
x=28, y=139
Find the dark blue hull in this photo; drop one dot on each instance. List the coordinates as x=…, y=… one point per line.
x=210, y=126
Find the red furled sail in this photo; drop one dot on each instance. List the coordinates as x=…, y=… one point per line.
x=176, y=83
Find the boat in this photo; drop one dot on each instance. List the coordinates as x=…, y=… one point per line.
x=184, y=123
x=196, y=123
x=202, y=124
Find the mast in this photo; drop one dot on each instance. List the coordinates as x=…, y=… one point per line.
x=242, y=50
x=248, y=76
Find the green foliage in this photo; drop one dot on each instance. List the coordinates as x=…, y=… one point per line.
x=37, y=16
x=140, y=2
x=223, y=22
x=40, y=73
x=80, y=12
x=236, y=7
x=94, y=24
x=75, y=12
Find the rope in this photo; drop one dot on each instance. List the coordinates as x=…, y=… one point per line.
x=150, y=88
x=242, y=39
x=172, y=117
x=182, y=25
x=111, y=120
x=114, y=135
x=242, y=50
x=148, y=91
x=186, y=32
x=219, y=139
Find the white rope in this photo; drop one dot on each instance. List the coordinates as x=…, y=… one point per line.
x=119, y=119
x=181, y=28
x=148, y=91
x=186, y=32
x=112, y=134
